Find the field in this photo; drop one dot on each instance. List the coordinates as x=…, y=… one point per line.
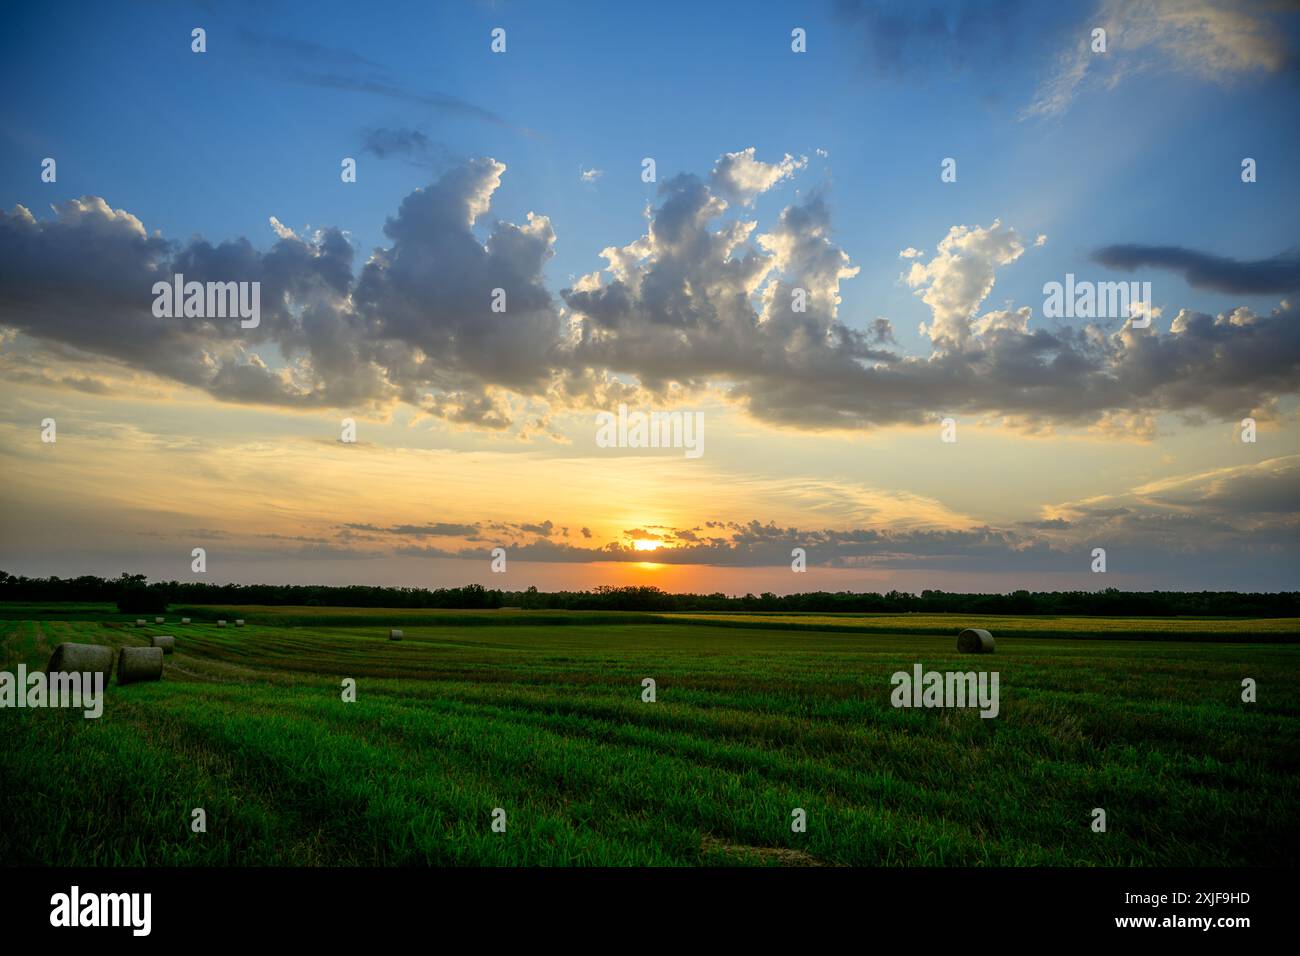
x=541, y=714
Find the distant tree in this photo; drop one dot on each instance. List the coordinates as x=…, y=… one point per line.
x=137, y=599
x=134, y=595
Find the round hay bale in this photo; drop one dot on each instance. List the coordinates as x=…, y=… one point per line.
x=394, y=634
x=139, y=622
x=166, y=641
x=139, y=664
x=221, y=623
x=185, y=620
x=79, y=658
x=975, y=640
x=239, y=622
x=159, y=620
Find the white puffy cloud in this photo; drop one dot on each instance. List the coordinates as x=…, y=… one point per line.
x=960, y=276
x=742, y=176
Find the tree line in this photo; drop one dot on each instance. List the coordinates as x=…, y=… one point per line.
x=133, y=593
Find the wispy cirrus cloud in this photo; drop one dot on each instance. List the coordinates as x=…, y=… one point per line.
x=314, y=64
x=1219, y=41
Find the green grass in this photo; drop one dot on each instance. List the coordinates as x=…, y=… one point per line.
x=1281, y=629
x=752, y=720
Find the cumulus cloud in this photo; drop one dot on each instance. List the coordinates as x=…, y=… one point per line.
x=416, y=325
x=692, y=301
x=741, y=176
x=702, y=303
x=426, y=300
x=281, y=230
x=960, y=276
x=85, y=278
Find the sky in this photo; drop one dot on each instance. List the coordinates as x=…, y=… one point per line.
x=838, y=264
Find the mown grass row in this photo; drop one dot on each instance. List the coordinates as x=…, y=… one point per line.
x=548, y=723
x=1244, y=630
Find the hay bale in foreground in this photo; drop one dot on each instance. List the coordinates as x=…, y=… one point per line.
x=975, y=640
x=135, y=664
x=166, y=641
x=80, y=658
x=185, y=620
x=394, y=634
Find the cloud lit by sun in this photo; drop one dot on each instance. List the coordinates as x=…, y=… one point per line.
x=645, y=544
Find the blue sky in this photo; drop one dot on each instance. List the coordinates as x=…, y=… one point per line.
x=1144, y=151
x=215, y=144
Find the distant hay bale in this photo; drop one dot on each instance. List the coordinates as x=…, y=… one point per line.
x=136, y=664
x=185, y=620
x=221, y=623
x=139, y=622
x=159, y=620
x=975, y=640
x=165, y=641
x=239, y=622
x=394, y=634
x=80, y=658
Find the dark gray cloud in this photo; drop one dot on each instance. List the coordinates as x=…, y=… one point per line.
x=881, y=332
x=415, y=326
x=411, y=145
x=440, y=529
x=429, y=296
x=1047, y=524
x=85, y=280
x=391, y=90
x=1280, y=274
